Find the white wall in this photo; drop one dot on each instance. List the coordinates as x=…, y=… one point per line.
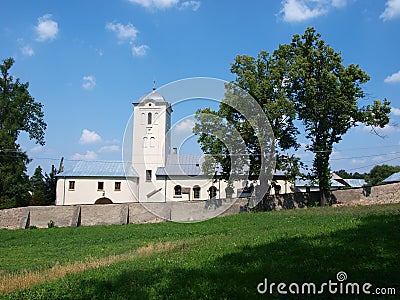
x=163, y=190
x=86, y=192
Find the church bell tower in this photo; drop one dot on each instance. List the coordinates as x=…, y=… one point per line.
x=151, y=137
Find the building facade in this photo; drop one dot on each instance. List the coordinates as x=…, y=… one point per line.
x=156, y=173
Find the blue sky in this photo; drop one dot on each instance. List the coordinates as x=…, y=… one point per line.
x=87, y=61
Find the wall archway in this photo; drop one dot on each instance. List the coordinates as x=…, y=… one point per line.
x=103, y=200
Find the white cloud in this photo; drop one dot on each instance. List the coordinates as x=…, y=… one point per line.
x=378, y=158
x=339, y=3
x=89, y=137
x=156, y=4
x=89, y=82
x=165, y=4
x=46, y=29
x=128, y=33
x=394, y=78
x=27, y=50
x=193, y=5
x=389, y=128
x=395, y=111
x=139, y=50
x=385, y=157
x=111, y=148
x=300, y=10
x=36, y=149
x=358, y=161
x=99, y=52
x=124, y=32
x=89, y=155
x=184, y=126
x=391, y=11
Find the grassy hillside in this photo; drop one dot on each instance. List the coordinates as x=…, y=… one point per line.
x=223, y=258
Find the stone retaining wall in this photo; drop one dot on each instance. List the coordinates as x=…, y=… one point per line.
x=14, y=218
x=381, y=194
x=108, y=214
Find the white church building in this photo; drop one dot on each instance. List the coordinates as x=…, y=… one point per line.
x=156, y=173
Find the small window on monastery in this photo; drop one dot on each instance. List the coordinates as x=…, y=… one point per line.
x=71, y=185
x=149, y=118
x=148, y=175
x=100, y=186
x=177, y=190
x=117, y=186
x=196, y=192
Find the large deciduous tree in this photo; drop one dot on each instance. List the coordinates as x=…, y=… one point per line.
x=326, y=95
x=304, y=80
x=260, y=79
x=19, y=112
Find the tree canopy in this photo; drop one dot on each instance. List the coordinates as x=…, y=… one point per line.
x=43, y=187
x=304, y=80
x=19, y=112
x=379, y=173
x=326, y=96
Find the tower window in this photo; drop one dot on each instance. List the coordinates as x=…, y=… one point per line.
x=148, y=175
x=142, y=118
x=149, y=118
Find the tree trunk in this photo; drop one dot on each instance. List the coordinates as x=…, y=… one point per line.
x=324, y=197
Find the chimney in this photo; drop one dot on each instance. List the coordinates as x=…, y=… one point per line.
x=174, y=150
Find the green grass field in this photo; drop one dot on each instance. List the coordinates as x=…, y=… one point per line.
x=223, y=258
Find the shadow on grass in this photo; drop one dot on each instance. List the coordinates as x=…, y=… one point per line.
x=368, y=253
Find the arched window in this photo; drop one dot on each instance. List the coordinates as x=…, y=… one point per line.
x=177, y=190
x=212, y=191
x=152, y=142
x=196, y=192
x=142, y=118
x=145, y=142
x=149, y=118
x=156, y=118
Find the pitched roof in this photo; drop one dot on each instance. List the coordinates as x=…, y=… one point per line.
x=392, y=178
x=100, y=169
x=310, y=183
x=189, y=165
x=182, y=164
x=355, y=182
